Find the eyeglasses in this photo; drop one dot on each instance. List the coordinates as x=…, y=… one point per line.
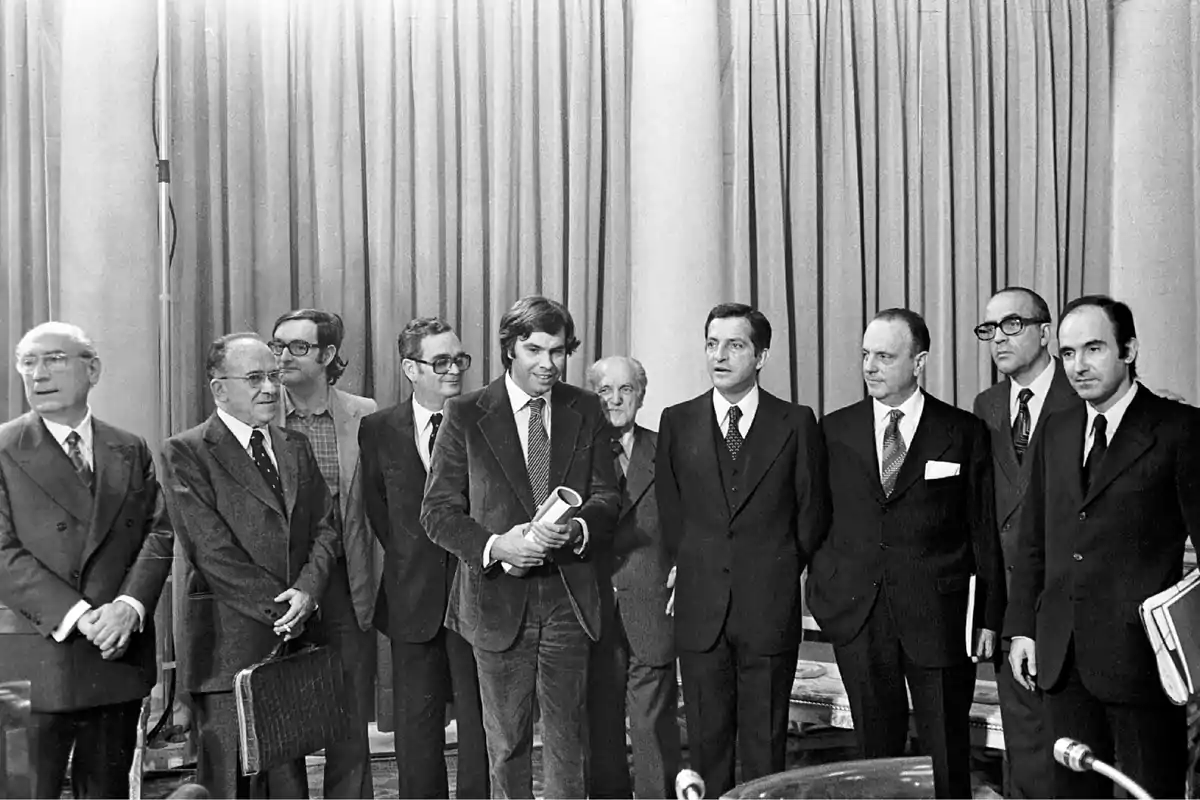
x=1010, y=325
x=55, y=362
x=297, y=347
x=255, y=379
x=441, y=364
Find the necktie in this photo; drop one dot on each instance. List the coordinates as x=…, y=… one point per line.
x=1091, y=466
x=265, y=467
x=733, y=436
x=1023, y=426
x=538, y=461
x=76, y=455
x=434, y=422
x=894, y=451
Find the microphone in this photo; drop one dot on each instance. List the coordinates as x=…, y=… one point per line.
x=1077, y=756
x=689, y=785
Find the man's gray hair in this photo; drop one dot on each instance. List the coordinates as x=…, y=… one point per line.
x=72, y=332
x=635, y=366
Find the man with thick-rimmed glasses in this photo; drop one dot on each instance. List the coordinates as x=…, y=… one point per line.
x=431, y=664
x=307, y=345
x=254, y=518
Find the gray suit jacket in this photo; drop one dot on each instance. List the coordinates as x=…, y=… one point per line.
x=59, y=545
x=637, y=563
x=364, y=555
x=241, y=547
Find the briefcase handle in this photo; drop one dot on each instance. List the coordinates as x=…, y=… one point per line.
x=291, y=647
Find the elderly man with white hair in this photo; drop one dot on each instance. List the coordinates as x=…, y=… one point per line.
x=632, y=667
x=85, y=547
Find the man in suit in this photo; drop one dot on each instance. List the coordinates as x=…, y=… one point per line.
x=431, y=664
x=1016, y=327
x=500, y=452
x=252, y=512
x=1114, y=492
x=632, y=667
x=85, y=547
x=742, y=503
x=306, y=343
x=913, y=518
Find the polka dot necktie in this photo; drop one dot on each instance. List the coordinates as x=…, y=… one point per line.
x=733, y=436
x=263, y=461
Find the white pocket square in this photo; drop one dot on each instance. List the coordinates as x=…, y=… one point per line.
x=941, y=469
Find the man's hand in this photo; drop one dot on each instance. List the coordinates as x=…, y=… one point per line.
x=1022, y=660
x=291, y=624
x=553, y=537
x=671, y=599
x=513, y=548
x=86, y=624
x=111, y=627
x=985, y=643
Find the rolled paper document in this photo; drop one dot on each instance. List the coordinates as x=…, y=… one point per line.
x=557, y=508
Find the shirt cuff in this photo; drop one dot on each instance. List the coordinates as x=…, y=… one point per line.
x=487, y=551
x=579, y=548
x=137, y=606
x=67, y=626
x=1019, y=638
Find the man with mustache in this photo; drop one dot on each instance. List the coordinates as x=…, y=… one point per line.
x=307, y=345
x=431, y=664
x=499, y=453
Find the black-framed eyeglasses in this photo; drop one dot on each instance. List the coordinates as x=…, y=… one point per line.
x=441, y=365
x=1010, y=325
x=297, y=347
x=255, y=379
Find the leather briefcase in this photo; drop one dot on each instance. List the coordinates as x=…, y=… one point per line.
x=289, y=705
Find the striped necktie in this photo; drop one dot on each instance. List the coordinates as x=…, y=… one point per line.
x=538, y=459
x=894, y=451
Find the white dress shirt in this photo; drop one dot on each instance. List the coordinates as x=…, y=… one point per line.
x=748, y=406
x=242, y=432
x=60, y=433
x=1040, y=386
x=913, y=407
x=422, y=427
x=1113, y=416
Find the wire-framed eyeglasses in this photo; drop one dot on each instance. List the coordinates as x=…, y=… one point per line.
x=55, y=362
x=1010, y=326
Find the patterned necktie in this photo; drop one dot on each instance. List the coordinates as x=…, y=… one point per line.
x=265, y=467
x=538, y=462
x=435, y=422
x=1091, y=465
x=894, y=451
x=76, y=455
x=1023, y=426
x=733, y=436
x=620, y=462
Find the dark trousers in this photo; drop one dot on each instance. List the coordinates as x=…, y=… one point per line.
x=550, y=656
x=348, y=762
x=619, y=682
x=1028, y=748
x=874, y=670
x=218, y=760
x=427, y=675
x=104, y=740
x=1146, y=742
x=735, y=696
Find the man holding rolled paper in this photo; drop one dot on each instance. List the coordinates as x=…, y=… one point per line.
x=500, y=453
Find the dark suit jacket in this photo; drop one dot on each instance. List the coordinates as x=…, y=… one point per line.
x=636, y=563
x=743, y=561
x=59, y=545
x=417, y=573
x=1085, y=561
x=479, y=486
x=922, y=543
x=1011, y=477
x=241, y=548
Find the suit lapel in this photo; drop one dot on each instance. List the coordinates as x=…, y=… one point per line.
x=930, y=441
x=405, y=425
x=228, y=452
x=861, y=439
x=345, y=423
x=1133, y=438
x=499, y=429
x=640, y=473
x=43, y=460
x=565, y=424
x=766, y=438
x=113, y=463
x=287, y=454
x=697, y=431
x=1006, y=454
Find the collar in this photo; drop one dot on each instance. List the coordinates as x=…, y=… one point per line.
x=627, y=441
x=421, y=416
x=518, y=397
x=1040, y=386
x=289, y=407
x=912, y=408
x=241, y=430
x=748, y=404
x=60, y=432
x=1114, y=415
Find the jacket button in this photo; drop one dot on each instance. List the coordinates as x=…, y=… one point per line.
x=1007, y=525
x=1010, y=568
x=75, y=574
x=1077, y=556
x=62, y=526
x=725, y=570
x=1082, y=516
x=128, y=523
x=882, y=546
x=875, y=583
